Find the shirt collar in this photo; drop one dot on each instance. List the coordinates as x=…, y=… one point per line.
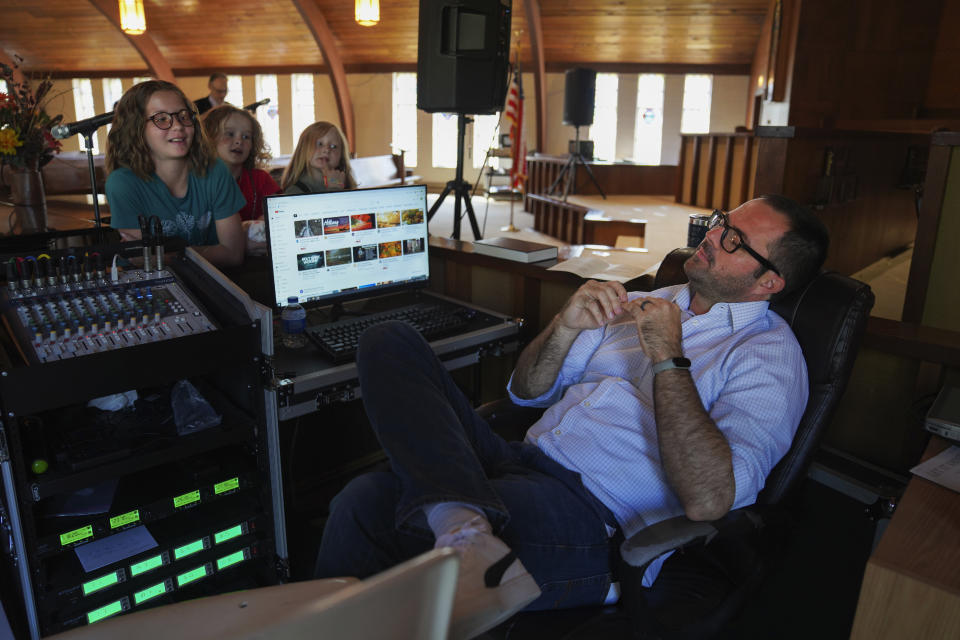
x=736, y=314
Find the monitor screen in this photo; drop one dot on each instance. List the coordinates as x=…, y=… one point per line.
x=329, y=247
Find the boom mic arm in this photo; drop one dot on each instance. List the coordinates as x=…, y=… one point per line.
x=85, y=127
x=253, y=107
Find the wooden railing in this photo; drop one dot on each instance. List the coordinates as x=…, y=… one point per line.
x=716, y=170
x=854, y=180
x=566, y=221
x=613, y=177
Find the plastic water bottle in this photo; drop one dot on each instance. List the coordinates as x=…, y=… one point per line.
x=293, y=322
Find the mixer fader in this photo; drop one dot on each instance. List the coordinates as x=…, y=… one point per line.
x=67, y=317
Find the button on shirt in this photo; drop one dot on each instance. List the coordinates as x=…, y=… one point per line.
x=748, y=370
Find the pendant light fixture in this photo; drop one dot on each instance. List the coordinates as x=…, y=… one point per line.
x=367, y=12
x=132, y=19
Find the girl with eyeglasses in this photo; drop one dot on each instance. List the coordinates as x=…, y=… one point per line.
x=160, y=164
x=320, y=162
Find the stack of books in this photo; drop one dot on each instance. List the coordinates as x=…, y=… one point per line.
x=514, y=249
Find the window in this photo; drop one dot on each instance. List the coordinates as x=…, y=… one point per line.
x=112, y=92
x=267, y=115
x=697, y=92
x=484, y=137
x=603, y=131
x=83, y=105
x=445, y=140
x=235, y=91
x=302, y=110
x=648, y=133
x=405, y=116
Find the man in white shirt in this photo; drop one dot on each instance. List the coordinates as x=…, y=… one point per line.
x=675, y=402
x=218, y=93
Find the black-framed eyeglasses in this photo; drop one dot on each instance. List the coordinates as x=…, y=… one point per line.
x=164, y=119
x=732, y=239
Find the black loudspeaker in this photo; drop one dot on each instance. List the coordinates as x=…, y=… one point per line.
x=580, y=92
x=463, y=57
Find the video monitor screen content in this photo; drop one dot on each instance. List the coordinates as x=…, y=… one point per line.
x=326, y=247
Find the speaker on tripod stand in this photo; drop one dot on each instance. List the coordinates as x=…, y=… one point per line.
x=462, y=67
x=579, y=96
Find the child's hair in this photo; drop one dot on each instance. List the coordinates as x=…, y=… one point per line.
x=214, y=121
x=126, y=146
x=304, y=151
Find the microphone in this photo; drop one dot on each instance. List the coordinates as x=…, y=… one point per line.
x=253, y=107
x=87, y=126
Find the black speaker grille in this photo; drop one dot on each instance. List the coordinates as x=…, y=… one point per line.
x=463, y=55
x=579, y=95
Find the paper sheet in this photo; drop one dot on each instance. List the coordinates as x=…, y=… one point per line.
x=943, y=468
x=115, y=548
x=590, y=267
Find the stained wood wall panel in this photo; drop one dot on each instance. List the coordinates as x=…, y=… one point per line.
x=863, y=59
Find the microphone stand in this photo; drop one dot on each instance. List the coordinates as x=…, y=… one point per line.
x=88, y=142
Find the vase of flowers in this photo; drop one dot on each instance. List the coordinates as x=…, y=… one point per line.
x=26, y=145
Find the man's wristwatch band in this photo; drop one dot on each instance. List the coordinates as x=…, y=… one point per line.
x=671, y=363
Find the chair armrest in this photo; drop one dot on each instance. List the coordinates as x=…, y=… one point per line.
x=677, y=533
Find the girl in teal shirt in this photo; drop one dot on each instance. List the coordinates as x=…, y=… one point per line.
x=161, y=164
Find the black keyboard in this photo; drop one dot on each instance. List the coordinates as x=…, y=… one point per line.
x=338, y=340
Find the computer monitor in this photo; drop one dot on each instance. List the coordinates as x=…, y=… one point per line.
x=330, y=247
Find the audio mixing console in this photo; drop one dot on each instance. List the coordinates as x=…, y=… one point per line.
x=91, y=312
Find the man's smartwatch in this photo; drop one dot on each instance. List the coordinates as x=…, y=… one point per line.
x=672, y=363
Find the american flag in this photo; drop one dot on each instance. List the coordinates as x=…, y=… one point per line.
x=514, y=115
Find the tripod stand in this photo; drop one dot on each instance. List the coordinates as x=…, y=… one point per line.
x=459, y=188
x=569, y=172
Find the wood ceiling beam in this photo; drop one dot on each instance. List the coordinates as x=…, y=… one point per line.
x=535, y=27
x=143, y=43
x=313, y=17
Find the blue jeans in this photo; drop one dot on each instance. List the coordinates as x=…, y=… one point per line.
x=440, y=450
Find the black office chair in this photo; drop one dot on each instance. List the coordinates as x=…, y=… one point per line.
x=704, y=584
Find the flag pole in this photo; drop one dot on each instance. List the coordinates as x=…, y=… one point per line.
x=510, y=228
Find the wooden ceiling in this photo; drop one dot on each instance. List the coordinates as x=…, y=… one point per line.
x=70, y=38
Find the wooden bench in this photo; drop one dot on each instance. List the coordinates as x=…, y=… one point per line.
x=369, y=171
x=69, y=173
x=576, y=224
x=381, y=171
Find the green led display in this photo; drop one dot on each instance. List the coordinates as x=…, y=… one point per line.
x=185, y=499
x=76, y=535
x=226, y=485
x=226, y=561
x=105, y=612
x=125, y=518
x=188, y=549
x=146, y=565
x=150, y=592
x=190, y=576
x=228, y=534
x=101, y=583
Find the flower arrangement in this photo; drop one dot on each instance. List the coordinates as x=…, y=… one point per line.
x=25, y=138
